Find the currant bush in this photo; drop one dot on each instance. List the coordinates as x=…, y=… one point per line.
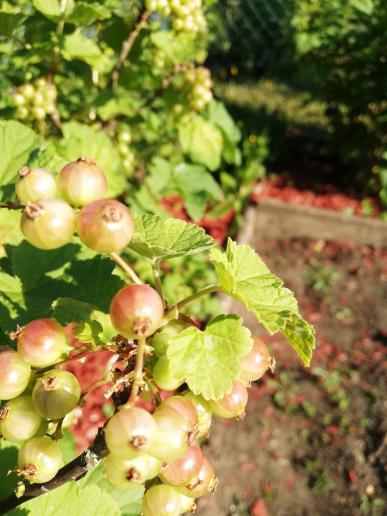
x=166, y=376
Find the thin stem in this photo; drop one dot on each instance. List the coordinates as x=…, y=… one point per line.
x=12, y=205
x=126, y=267
x=128, y=44
x=59, y=32
x=137, y=380
x=74, y=470
x=208, y=290
x=156, y=275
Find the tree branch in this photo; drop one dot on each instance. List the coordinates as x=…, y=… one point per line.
x=128, y=44
x=74, y=470
x=126, y=267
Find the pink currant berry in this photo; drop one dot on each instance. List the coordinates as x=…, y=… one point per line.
x=15, y=374
x=136, y=311
x=35, y=184
x=48, y=224
x=204, y=482
x=181, y=471
x=233, y=403
x=42, y=342
x=82, y=182
x=105, y=226
x=256, y=363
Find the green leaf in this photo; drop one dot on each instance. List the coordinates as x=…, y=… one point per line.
x=87, y=13
x=8, y=459
x=218, y=114
x=155, y=238
x=93, y=325
x=202, y=141
x=81, y=140
x=79, y=46
x=72, y=500
x=17, y=142
x=209, y=359
x=9, y=229
x=365, y=6
x=244, y=276
x=9, y=22
x=52, y=8
x=67, y=446
x=111, y=104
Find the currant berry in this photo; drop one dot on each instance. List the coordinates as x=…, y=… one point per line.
x=204, y=412
x=123, y=473
x=19, y=420
x=130, y=432
x=204, y=482
x=187, y=504
x=136, y=311
x=56, y=393
x=233, y=403
x=15, y=374
x=35, y=184
x=105, y=226
x=161, y=500
x=82, y=182
x=171, y=438
x=48, y=224
x=255, y=364
x=163, y=377
x=181, y=471
x=184, y=408
x=160, y=341
x=40, y=459
x=42, y=342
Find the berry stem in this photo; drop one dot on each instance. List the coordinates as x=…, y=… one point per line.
x=126, y=267
x=12, y=205
x=157, y=278
x=208, y=290
x=128, y=44
x=137, y=380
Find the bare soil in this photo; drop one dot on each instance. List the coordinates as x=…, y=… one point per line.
x=314, y=441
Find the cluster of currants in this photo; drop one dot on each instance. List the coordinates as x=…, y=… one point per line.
x=37, y=396
x=48, y=222
x=123, y=146
x=186, y=15
x=200, y=85
x=35, y=101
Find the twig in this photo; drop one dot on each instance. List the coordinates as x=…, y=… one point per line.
x=156, y=275
x=200, y=293
x=74, y=470
x=12, y=205
x=128, y=44
x=126, y=267
x=137, y=380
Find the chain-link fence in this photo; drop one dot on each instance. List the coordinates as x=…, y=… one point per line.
x=250, y=33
